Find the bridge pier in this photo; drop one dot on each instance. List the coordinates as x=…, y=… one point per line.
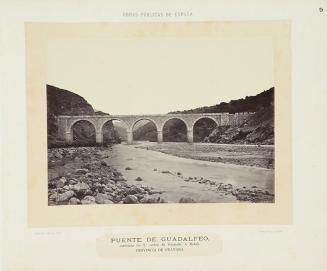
x=190, y=135
x=69, y=137
x=99, y=137
x=159, y=136
x=129, y=136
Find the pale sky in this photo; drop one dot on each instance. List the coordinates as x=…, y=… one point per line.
x=142, y=75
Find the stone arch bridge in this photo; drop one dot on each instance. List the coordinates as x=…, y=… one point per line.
x=66, y=123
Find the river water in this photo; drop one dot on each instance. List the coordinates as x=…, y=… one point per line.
x=167, y=173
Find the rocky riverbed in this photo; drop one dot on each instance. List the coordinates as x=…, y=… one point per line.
x=85, y=175
x=251, y=194
x=80, y=176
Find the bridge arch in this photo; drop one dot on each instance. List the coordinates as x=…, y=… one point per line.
x=150, y=120
x=109, y=133
x=70, y=127
x=112, y=119
x=82, y=132
x=201, y=128
x=204, y=117
x=178, y=118
x=186, y=128
x=145, y=118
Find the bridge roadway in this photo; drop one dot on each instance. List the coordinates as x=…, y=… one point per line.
x=66, y=123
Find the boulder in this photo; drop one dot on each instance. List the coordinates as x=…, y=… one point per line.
x=100, y=198
x=88, y=200
x=74, y=201
x=108, y=189
x=53, y=196
x=130, y=199
x=72, y=181
x=139, y=196
x=81, y=171
x=64, y=196
x=134, y=190
x=58, y=155
x=61, y=182
x=118, y=198
x=80, y=187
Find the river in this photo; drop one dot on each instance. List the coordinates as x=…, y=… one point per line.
x=167, y=173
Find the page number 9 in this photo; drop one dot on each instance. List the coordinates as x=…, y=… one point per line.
x=321, y=9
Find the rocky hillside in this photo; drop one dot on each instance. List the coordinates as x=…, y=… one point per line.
x=258, y=129
x=64, y=102
x=247, y=104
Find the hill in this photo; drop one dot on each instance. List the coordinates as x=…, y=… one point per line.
x=247, y=104
x=64, y=102
x=257, y=129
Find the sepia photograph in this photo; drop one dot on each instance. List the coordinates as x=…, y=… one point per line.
x=173, y=135
x=160, y=119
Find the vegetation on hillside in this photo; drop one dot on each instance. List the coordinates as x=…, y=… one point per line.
x=257, y=129
x=64, y=102
x=247, y=104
